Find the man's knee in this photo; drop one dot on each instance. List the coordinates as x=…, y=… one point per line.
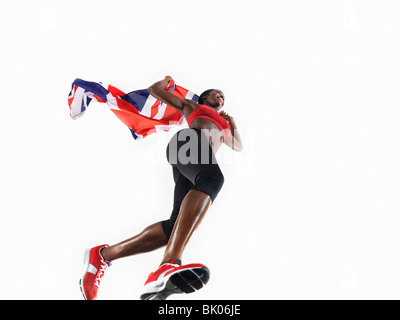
x=168, y=225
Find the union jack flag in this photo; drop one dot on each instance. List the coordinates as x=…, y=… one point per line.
x=140, y=111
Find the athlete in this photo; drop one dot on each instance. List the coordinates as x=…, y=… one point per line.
x=198, y=180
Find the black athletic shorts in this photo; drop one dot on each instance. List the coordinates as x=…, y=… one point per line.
x=194, y=167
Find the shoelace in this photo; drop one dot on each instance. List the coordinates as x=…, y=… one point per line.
x=101, y=272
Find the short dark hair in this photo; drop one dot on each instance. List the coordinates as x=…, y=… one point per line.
x=205, y=95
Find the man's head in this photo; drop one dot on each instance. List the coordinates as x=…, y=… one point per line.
x=213, y=98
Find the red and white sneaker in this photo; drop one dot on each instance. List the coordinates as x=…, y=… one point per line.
x=173, y=278
x=94, y=269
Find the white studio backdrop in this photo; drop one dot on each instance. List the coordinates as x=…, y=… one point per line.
x=309, y=209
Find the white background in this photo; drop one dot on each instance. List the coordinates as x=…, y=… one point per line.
x=309, y=209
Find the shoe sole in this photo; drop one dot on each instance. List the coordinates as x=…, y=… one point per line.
x=185, y=281
x=86, y=258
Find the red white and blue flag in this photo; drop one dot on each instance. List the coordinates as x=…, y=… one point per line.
x=139, y=110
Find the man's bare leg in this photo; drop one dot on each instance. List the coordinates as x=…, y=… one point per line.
x=151, y=238
x=193, y=209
